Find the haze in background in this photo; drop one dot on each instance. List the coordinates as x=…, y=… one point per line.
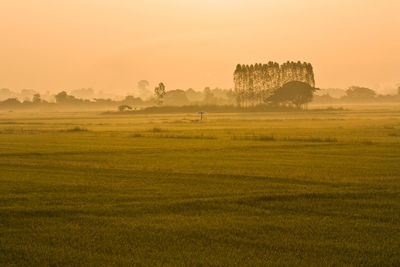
x=110, y=45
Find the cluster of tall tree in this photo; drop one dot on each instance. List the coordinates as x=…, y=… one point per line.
x=254, y=84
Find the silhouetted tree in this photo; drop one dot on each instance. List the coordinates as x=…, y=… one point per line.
x=296, y=93
x=11, y=103
x=131, y=100
x=160, y=92
x=61, y=97
x=124, y=107
x=36, y=99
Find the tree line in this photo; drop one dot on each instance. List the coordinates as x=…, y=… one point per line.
x=159, y=97
x=294, y=94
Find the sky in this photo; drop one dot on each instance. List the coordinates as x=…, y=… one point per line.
x=109, y=45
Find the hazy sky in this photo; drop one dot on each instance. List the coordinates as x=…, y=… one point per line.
x=111, y=44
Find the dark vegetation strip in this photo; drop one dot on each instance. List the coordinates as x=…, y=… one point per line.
x=255, y=137
x=16, y=122
x=110, y=174
x=207, y=108
x=310, y=139
x=196, y=206
x=76, y=129
x=187, y=137
x=319, y=196
x=289, y=139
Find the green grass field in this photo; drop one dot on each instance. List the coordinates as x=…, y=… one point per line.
x=308, y=188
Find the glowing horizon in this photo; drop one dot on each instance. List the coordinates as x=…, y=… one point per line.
x=110, y=45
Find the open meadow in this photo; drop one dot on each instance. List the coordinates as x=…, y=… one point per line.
x=280, y=188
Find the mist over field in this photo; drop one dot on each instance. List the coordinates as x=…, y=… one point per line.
x=199, y=133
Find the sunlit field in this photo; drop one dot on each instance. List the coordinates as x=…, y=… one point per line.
x=296, y=188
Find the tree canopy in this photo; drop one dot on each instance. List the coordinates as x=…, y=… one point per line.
x=360, y=92
x=293, y=93
x=160, y=92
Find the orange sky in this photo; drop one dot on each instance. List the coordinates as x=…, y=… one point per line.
x=111, y=44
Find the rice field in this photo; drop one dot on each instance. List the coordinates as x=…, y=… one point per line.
x=308, y=188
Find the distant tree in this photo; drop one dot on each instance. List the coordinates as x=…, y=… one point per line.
x=6, y=93
x=61, y=97
x=142, y=86
x=160, y=92
x=36, y=99
x=124, y=107
x=325, y=98
x=194, y=96
x=26, y=101
x=10, y=103
x=360, y=92
x=83, y=93
x=398, y=90
x=176, y=98
x=27, y=93
x=209, y=97
x=131, y=100
x=230, y=95
x=254, y=83
x=296, y=93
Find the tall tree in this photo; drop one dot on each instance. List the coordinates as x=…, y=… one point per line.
x=160, y=92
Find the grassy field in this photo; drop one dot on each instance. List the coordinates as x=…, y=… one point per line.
x=307, y=188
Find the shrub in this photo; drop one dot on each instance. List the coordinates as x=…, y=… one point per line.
x=156, y=130
x=77, y=129
x=255, y=137
x=311, y=139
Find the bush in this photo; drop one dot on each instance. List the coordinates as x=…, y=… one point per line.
x=255, y=137
x=77, y=129
x=156, y=130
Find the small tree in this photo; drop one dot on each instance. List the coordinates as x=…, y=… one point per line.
x=36, y=99
x=124, y=107
x=160, y=92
